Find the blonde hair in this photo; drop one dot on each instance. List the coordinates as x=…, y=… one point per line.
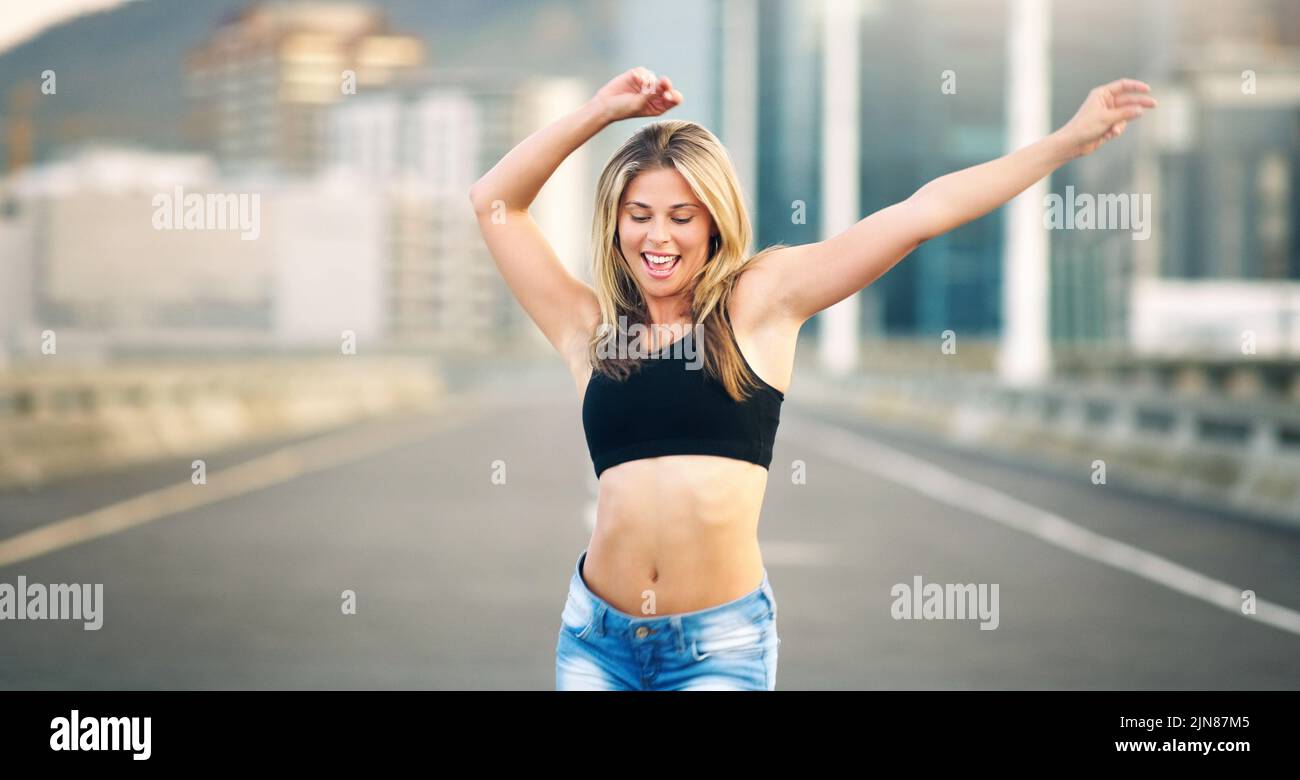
x=701, y=159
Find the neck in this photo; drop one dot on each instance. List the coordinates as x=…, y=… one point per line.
x=675, y=310
x=669, y=319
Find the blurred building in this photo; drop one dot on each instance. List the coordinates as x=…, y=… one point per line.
x=17, y=276
x=910, y=132
x=1219, y=160
x=424, y=147
x=789, y=135
x=954, y=281
x=326, y=242
x=260, y=84
x=1220, y=165
x=18, y=131
x=94, y=268
x=85, y=257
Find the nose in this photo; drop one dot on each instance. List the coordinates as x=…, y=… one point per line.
x=659, y=232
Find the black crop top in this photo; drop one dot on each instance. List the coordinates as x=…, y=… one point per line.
x=671, y=406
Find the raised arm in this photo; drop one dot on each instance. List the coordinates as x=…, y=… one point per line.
x=563, y=306
x=802, y=280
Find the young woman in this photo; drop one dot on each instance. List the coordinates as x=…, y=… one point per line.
x=671, y=592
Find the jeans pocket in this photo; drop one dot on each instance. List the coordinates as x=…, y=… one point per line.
x=577, y=618
x=743, y=640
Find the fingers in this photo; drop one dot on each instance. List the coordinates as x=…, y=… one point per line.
x=1120, y=86
x=670, y=94
x=645, y=79
x=1130, y=98
x=654, y=88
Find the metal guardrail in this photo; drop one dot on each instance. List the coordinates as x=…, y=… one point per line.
x=1261, y=427
x=1236, y=455
x=1239, y=377
x=1235, y=376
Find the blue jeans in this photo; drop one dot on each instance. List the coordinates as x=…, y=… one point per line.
x=732, y=646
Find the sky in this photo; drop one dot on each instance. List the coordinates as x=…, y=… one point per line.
x=22, y=19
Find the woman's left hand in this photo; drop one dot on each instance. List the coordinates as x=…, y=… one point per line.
x=1106, y=113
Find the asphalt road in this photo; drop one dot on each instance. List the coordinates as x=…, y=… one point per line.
x=459, y=581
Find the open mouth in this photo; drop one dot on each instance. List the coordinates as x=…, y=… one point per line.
x=660, y=266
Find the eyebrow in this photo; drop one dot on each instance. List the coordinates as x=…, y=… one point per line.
x=647, y=205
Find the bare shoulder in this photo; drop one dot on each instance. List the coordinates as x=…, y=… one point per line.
x=765, y=334
x=756, y=299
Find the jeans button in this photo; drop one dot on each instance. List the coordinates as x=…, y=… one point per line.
x=642, y=632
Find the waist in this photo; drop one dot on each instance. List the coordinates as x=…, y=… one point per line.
x=684, y=590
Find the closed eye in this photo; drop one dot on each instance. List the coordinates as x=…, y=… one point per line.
x=675, y=219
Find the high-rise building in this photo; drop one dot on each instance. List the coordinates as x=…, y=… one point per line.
x=911, y=130
x=260, y=84
x=1220, y=165
x=424, y=147
x=1218, y=162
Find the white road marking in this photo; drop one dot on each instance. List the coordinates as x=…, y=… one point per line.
x=940, y=485
x=280, y=466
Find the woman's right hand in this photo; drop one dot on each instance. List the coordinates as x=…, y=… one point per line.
x=637, y=92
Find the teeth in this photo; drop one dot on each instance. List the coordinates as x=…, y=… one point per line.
x=657, y=260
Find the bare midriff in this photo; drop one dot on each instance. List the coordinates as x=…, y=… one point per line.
x=676, y=533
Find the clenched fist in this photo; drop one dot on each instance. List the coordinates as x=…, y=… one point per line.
x=637, y=92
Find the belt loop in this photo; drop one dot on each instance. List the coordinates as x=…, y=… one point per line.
x=676, y=622
x=599, y=619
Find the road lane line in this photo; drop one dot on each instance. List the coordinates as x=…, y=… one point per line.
x=940, y=485
x=279, y=466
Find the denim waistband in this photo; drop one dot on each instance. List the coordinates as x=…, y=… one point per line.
x=754, y=606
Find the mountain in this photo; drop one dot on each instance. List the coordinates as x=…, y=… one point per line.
x=120, y=72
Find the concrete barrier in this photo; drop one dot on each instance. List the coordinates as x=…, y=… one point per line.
x=58, y=421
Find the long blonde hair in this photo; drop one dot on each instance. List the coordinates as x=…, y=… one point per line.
x=703, y=161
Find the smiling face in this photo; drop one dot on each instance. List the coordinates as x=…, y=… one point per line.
x=658, y=217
